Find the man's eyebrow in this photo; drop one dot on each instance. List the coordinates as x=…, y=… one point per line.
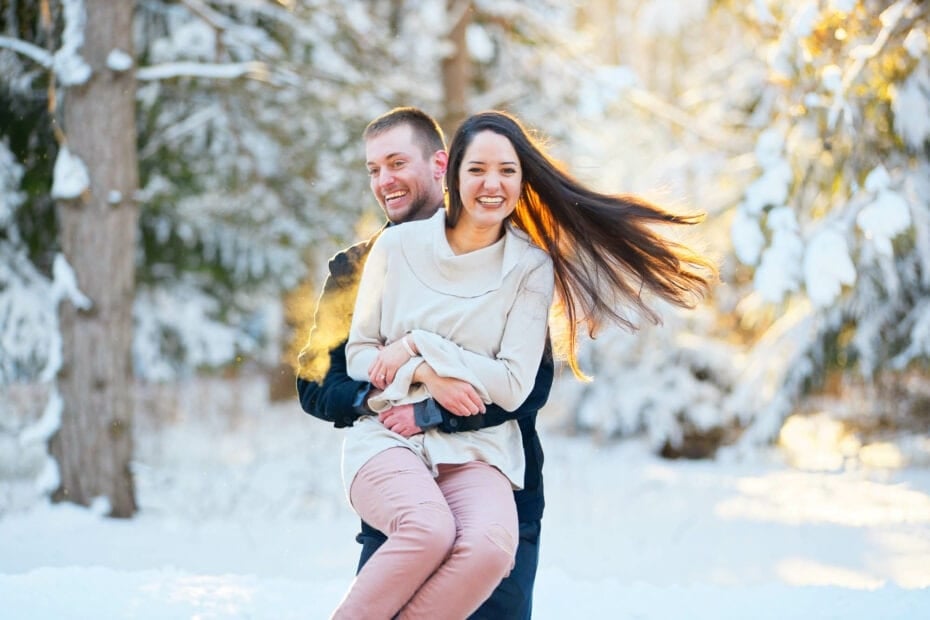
x=388, y=156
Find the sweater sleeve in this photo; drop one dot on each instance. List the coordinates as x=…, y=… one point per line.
x=508, y=378
x=365, y=332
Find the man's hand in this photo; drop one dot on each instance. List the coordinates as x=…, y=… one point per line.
x=457, y=396
x=400, y=420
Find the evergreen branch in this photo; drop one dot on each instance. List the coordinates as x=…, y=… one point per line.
x=33, y=52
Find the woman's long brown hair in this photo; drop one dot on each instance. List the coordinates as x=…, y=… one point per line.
x=604, y=249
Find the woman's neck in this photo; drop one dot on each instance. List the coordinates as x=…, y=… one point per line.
x=464, y=238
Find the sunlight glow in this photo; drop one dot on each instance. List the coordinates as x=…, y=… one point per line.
x=906, y=561
x=211, y=595
x=881, y=455
x=817, y=442
x=804, y=572
x=842, y=499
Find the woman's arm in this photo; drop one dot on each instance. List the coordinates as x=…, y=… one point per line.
x=508, y=378
x=365, y=339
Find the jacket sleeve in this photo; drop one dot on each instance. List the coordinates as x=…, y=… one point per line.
x=337, y=398
x=324, y=388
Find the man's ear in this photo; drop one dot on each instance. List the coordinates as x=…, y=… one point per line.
x=441, y=162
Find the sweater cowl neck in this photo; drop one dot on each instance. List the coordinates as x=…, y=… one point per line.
x=473, y=274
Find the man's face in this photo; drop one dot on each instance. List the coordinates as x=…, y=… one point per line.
x=405, y=184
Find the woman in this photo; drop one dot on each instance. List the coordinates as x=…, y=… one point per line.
x=467, y=294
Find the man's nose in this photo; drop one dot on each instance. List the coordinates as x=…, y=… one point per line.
x=385, y=177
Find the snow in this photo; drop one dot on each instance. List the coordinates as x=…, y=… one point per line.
x=747, y=237
x=195, y=39
x=827, y=267
x=843, y=6
x=916, y=43
x=779, y=272
x=33, y=52
x=769, y=190
x=242, y=516
x=911, y=107
x=804, y=20
x=65, y=285
x=883, y=219
x=118, y=60
x=70, y=67
x=69, y=177
x=479, y=42
x=220, y=71
x=11, y=173
x=186, y=316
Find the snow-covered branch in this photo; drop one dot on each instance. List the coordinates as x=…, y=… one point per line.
x=228, y=71
x=214, y=18
x=70, y=67
x=179, y=130
x=668, y=112
x=861, y=54
x=33, y=52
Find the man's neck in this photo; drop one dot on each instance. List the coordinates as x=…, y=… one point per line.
x=424, y=214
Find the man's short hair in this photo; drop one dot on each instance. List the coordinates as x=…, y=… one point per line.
x=426, y=131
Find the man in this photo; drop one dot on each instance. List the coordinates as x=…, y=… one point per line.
x=406, y=159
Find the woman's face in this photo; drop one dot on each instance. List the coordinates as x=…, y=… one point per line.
x=490, y=181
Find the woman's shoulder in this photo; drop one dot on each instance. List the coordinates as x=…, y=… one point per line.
x=532, y=255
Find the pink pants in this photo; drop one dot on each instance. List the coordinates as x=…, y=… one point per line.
x=451, y=539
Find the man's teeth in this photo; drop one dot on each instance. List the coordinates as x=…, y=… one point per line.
x=395, y=195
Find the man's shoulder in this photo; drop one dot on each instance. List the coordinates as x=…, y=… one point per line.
x=348, y=261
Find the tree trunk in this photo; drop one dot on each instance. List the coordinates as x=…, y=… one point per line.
x=93, y=446
x=456, y=69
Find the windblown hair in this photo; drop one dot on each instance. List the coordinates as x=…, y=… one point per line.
x=426, y=131
x=605, y=251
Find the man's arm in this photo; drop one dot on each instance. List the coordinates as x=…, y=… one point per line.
x=324, y=387
x=337, y=398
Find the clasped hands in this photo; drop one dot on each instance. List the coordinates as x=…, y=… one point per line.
x=456, y=396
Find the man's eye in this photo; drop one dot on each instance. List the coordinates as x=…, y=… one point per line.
x=372, y=172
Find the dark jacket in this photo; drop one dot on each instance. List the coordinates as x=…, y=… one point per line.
x=327, y=392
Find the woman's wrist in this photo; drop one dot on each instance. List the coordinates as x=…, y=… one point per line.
x=405, y=342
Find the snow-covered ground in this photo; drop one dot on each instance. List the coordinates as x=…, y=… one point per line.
x=242, y=517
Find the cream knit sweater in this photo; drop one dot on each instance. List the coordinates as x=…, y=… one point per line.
x=480, y=316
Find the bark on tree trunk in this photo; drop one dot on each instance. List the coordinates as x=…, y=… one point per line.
x=456, y=69
x=93, y=447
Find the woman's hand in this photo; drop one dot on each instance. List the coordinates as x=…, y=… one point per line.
x=456, y=396
x=390, y=358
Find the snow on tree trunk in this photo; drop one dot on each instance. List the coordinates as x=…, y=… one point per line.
x=93, y=447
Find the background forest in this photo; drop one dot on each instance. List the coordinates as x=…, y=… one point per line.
x=174, y=175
